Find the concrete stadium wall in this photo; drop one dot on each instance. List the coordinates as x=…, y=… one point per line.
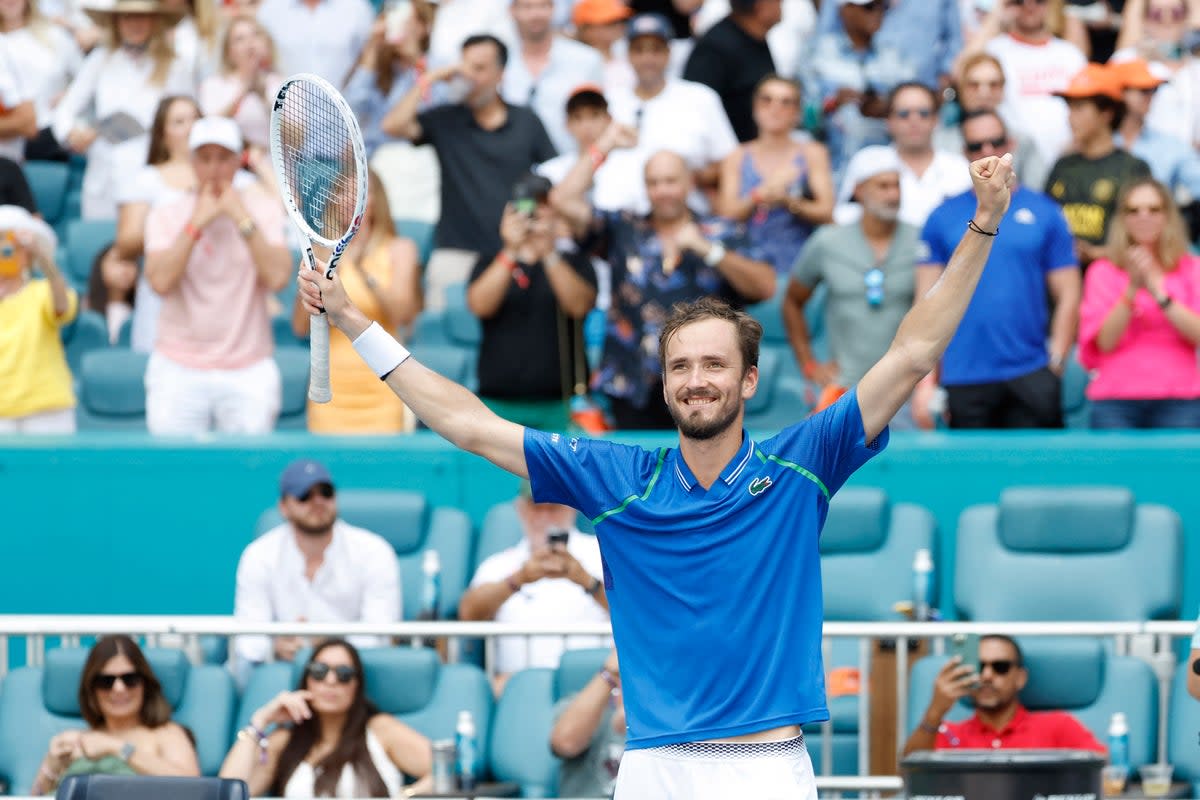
x=128, y=524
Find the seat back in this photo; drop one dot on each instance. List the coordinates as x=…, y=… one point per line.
x=1069, y=553
x=411, y=526
x=293, y=371
x=869, y=541
x=1080, y=676
x=780, y=400
x=84, y=241
x=38, y=702
x=521, y=733
x=48, y=182
x=112, y=391
x=145, y=787
x=420, y=231
x=87, y=333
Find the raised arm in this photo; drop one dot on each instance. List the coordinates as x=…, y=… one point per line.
x=926, y=330
x=446, y=407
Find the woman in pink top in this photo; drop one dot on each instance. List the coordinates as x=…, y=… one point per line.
x=1139, y=323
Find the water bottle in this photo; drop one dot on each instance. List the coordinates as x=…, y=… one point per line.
x=922, y=585
x=1118, y=741
x=467, y=749
x=431, y=585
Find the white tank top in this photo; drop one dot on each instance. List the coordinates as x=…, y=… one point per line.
x=304, y=778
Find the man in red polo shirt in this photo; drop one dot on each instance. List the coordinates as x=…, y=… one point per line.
x=1000, y=720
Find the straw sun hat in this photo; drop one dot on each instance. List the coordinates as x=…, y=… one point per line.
x=102, y=10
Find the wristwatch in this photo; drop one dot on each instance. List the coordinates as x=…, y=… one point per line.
x=126, y=752
x=247, y=228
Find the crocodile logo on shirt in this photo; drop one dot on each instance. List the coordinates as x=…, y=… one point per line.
x=759, y=485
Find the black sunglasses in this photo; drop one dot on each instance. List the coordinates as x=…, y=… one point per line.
x=1000, y=667
x=344, y=674
x=324, y=489
x=977, y=147
x=905, y=113
x=131, y=680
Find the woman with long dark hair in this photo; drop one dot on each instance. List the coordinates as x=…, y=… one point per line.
x=331, y=741
x=129, y=728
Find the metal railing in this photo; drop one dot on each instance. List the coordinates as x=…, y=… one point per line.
x=1150, y=640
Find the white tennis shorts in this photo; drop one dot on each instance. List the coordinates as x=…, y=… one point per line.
x=718, y=771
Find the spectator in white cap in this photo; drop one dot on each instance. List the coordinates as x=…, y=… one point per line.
x=35, y=381
x=214, y=255
x=868, y=266
x=108, y=109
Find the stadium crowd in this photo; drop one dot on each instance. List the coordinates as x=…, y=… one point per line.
x=585, y=165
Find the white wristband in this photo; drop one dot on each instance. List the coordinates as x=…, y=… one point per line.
x=715, y=253
x=381, y=352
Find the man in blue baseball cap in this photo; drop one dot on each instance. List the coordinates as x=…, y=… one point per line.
x=313, y=567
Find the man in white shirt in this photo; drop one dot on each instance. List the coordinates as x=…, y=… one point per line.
x=681, y=116
x=546, y=67
x=312, y=568
x=1036, y=65
x=927, y=176
x=540, y=580
x=320, y=36
x=18, y=118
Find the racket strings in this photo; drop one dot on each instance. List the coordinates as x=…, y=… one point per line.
x=318, y=160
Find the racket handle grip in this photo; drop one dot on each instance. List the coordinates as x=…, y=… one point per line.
x=318, y=360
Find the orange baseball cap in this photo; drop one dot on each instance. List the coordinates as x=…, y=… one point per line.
x=1094, y=80
x=1137, y=74
x=599, y=12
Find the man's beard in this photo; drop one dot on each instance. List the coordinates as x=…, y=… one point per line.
x=702, y=429
x=313, y=530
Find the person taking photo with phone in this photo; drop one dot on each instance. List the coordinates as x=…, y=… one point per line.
x=993, y=682
x=553, y=576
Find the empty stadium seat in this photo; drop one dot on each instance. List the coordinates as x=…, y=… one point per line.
x=293, y=371
x=780, y=399
x=38, y=702
x=867, y=541
x=48, y=181
x=525, y=716
x=87, y=333
x=143, y=787
x=447, y=341
x=112, y=391
x=407, y=521
x=421, y=232
x=449, y=361
x=1078, y=675
x=1183, y=726
x=1069, y=553
x=410, y=683
x=84, y=240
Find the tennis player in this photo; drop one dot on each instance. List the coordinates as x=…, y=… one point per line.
x=710, y=549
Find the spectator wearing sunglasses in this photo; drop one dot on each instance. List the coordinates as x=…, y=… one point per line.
x=868, y=267
x=328, y=740
x=1155, y=30
x=129, y=728
x=999, y=371
x=1000, y=721
x=313, y=567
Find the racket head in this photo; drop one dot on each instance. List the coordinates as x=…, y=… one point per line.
x=320, y=160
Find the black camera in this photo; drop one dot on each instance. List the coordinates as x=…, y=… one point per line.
x=528, y=192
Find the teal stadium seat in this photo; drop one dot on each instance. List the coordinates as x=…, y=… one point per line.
x=38, y=702
x=407, y=521
x=867, y=541
x=1183, y=727
x=780, y=399
x=48, y=181
x=410, y=683
x=421, y=232
x=447, y=341
x=86, y=334
x=112, y=391
x=1076, y=410
x=1069, y=553
x=1077, y=675
x=525, y=716
x=293, y=370
x=281, y=331
x=85, y=238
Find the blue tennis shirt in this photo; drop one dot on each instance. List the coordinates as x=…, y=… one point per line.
x=715, y=595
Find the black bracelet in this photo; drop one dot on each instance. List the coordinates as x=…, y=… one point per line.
x=974, y=227
x=934, y=729
x=594, y=589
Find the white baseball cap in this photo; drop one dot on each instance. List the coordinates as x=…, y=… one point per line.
x=215, y=130
x=866, y=164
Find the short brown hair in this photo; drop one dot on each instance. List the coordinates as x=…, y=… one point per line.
x=749, y=331
x=155, y=711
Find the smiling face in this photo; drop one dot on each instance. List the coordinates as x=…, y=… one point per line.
x=122, y=700
x=776, y=106
x=329, y=694
x=668, y=183
x=649, y=56
x=705, y=384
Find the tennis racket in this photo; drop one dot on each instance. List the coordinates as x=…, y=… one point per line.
x=321, y=165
